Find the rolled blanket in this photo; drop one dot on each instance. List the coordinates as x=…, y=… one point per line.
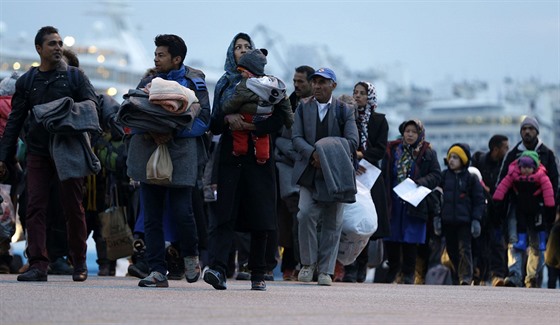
x=139, y=113
x=171, y=95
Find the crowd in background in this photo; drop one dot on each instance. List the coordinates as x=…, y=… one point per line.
x=260, y=177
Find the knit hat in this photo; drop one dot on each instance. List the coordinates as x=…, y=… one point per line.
x=529, y=158
x=8, y=85
x=254, y=61
x=462, y=150
x=530, y=121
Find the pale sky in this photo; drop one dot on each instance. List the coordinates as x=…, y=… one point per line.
x=429, y=40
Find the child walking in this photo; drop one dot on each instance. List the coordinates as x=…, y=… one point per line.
x=461, y=213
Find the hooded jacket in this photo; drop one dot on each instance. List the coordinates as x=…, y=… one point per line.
x=514, y=179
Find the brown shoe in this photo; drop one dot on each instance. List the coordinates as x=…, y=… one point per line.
x=498, y=281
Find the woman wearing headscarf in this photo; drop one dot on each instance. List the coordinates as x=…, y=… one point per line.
x=246, y=190
x=409, y=157
x=373, y=130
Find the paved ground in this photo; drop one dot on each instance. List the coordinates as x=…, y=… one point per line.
x=119, y=300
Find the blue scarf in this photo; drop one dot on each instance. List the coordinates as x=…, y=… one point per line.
x=177, y=75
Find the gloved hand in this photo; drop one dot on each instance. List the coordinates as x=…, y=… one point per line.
x=475, y=228
x=437, y=226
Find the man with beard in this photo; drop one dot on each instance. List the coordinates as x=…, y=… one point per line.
x=302, y=85
x=46, y=85
x=529, y=141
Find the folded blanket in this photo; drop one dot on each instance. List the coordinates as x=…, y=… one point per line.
x=70, y=147
x=139, y=113
x=171, y=95
x=337, y=169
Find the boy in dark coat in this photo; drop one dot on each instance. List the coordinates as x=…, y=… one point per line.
x=462, y=210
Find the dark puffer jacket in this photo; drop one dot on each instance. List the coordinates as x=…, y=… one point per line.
x=463, y=198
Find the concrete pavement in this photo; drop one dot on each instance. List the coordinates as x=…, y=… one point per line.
x=118, y=300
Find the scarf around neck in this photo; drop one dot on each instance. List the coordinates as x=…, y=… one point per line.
x=176, y=75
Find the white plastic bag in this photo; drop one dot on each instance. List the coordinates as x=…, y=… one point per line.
x=358, y=224
x=159, y=169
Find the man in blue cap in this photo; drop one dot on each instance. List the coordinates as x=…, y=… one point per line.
x=325, y=136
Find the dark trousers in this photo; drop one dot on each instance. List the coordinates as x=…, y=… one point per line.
x=401, y=258
x=497, y=248
x=41, y=172
x=220, y=240
x=179, y=200
x=458, y=241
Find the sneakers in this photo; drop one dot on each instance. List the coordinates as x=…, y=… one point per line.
x=33, y=274
x=258, y=285
x=61, y=267
x=324, y=280
x=244, y=273
x=192, y=269
x=175, y=263
x=306, y=273
x=215, y=279
x=154, y=280
x=497, y=281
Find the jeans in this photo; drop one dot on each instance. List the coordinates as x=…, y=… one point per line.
x=535, y=260
x=179, y=206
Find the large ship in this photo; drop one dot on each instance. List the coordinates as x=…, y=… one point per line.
x=112, y=57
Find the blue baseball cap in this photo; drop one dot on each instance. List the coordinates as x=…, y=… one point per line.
x=325, y=73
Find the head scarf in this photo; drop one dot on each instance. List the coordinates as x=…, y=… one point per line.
x=231, y=77
x=364, y=113
x=406, y=154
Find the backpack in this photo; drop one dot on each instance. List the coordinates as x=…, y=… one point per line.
x=112, y=153
x=438, y=275
x=72, y=74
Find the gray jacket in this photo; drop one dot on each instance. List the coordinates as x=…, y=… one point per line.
x=304, y=131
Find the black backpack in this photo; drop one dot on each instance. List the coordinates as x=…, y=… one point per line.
x=72, y=74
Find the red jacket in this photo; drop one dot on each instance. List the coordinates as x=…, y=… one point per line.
x=539, y=177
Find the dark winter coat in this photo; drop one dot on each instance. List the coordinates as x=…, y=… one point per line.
x=246, y=190
x=378, y=130
x=42, y=91
x=463, y=199
x=408, y=223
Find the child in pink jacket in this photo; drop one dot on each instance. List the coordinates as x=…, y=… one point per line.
x=530, y=183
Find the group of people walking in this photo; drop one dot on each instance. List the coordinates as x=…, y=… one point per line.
x=279, y=172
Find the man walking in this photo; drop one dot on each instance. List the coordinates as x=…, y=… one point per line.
x=325, y=136
x=51, y=82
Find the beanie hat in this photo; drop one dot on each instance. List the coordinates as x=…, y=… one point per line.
x=462, y=150
x=530, y=121
x=8, y=85
x=254, y=61
x=529, y=158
